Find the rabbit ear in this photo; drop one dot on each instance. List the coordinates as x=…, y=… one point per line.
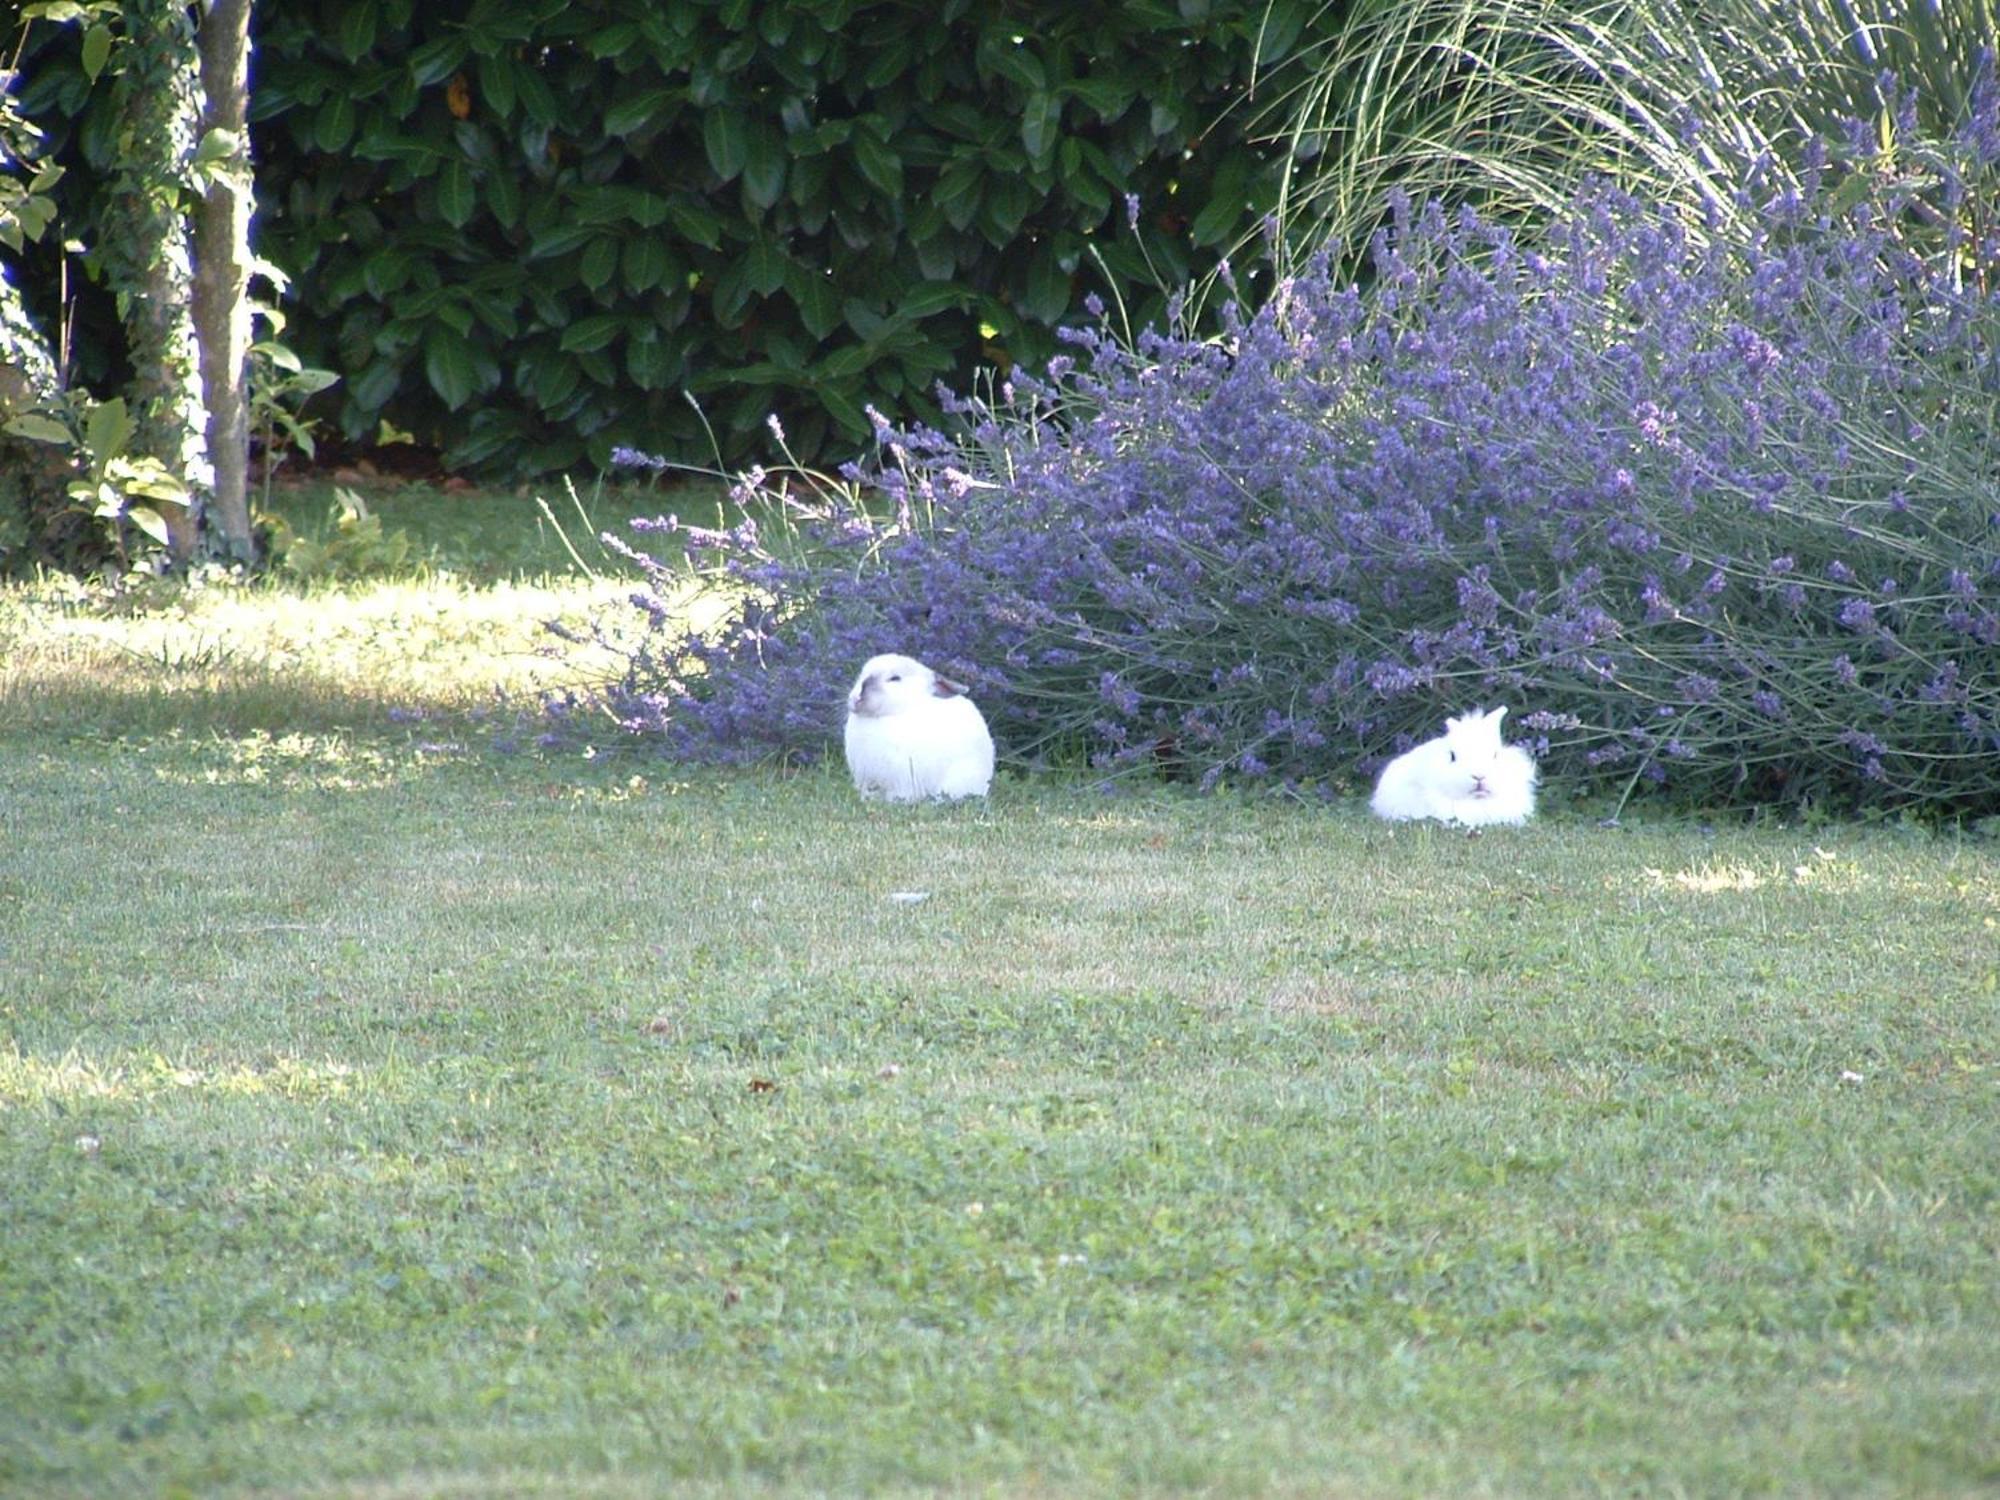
x=1497, y=715
x=944, y=687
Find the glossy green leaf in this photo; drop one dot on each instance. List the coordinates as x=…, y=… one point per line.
x=451, y=366
x=635, y=111
x=764, y=265
x=96, y=51
x=107, y=431
x=764, y=165
x=333, y=126
x=599, y=263
x=437, y=60
x=456, y=196
x=879, y=163
x=645, y=263
x=354, y=35
x=1045, y=293
x=40, y=429
x=595, y=332
x=695, y=222
x=725, y=141
x=503, y=196
x=652, y=363
x=1041, y=122
x=932, y=297
x=496, y=84
x=556, y=381
x=815, y=296
x=149, y=521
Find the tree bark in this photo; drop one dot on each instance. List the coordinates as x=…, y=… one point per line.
x=34, y=476
x=222, y=274
x=145, y=242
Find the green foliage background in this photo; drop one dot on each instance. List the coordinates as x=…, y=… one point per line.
x=523, y=228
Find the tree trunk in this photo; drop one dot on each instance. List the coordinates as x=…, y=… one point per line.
x=145, y=243
x=34, y=476
x=222, y=274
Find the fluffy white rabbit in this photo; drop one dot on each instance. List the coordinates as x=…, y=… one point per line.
x=912, y=734
x=1466, y=775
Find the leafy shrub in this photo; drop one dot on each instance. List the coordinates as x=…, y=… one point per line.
x=1721, y=515
x=526, y=230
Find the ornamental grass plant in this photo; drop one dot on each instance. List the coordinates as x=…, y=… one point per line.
x=1715, y=508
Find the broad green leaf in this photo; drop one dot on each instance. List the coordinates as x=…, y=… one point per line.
x=355, y=34
x=456, y=197
x=496, y=83
x=1012, y=60
x=815, y=296
x=844, y=409
x=373, y=387
x=560, y=239
x=503, y=196
x=96, y=51
x=725, y=141
x=613, y=40
x=845, y=363
x=695, y=222
x=1107, y=98
x=149, y=521
x=1008, y=200
x=1045, y=296
x=764, y=265
x=652, y=363
x=645, y=263
x=730, y=294
x=936, y=257
x=599, y=263
x=957, y=192
x=587, y=335
x=536, y=98
x=40, y=429
x=637, y=110
x=333, y=126
x=1278, y=28
x=450, y=366
x=1041, y=123
x=437, y=60
x=279, y=356
x=879, y=163
x=107, y=430
x=932, y=297
x=1227, y=209
x=556, y=381
x=764, y=165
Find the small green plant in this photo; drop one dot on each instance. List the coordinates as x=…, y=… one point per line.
x=359, y=544
x=113, y=485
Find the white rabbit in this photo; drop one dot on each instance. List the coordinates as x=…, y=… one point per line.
x=912, y=734
x=1466, y=775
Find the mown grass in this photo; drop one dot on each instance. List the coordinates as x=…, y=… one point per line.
x=382, y=1115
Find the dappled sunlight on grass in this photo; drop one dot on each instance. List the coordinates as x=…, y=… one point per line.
x=28, y=1080
x=1822, y=869
x=267, y=656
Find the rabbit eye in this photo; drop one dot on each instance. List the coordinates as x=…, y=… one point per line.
x=895, y=676
x=1454, y=756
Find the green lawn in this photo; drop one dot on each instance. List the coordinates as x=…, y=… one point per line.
x=382, y=1115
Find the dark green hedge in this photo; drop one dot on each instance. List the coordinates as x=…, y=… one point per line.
x=523, y=228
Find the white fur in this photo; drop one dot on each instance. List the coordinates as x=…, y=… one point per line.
x=912, y=734
x=1465, y=775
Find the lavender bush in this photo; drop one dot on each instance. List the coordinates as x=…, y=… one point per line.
x=1714, y=511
